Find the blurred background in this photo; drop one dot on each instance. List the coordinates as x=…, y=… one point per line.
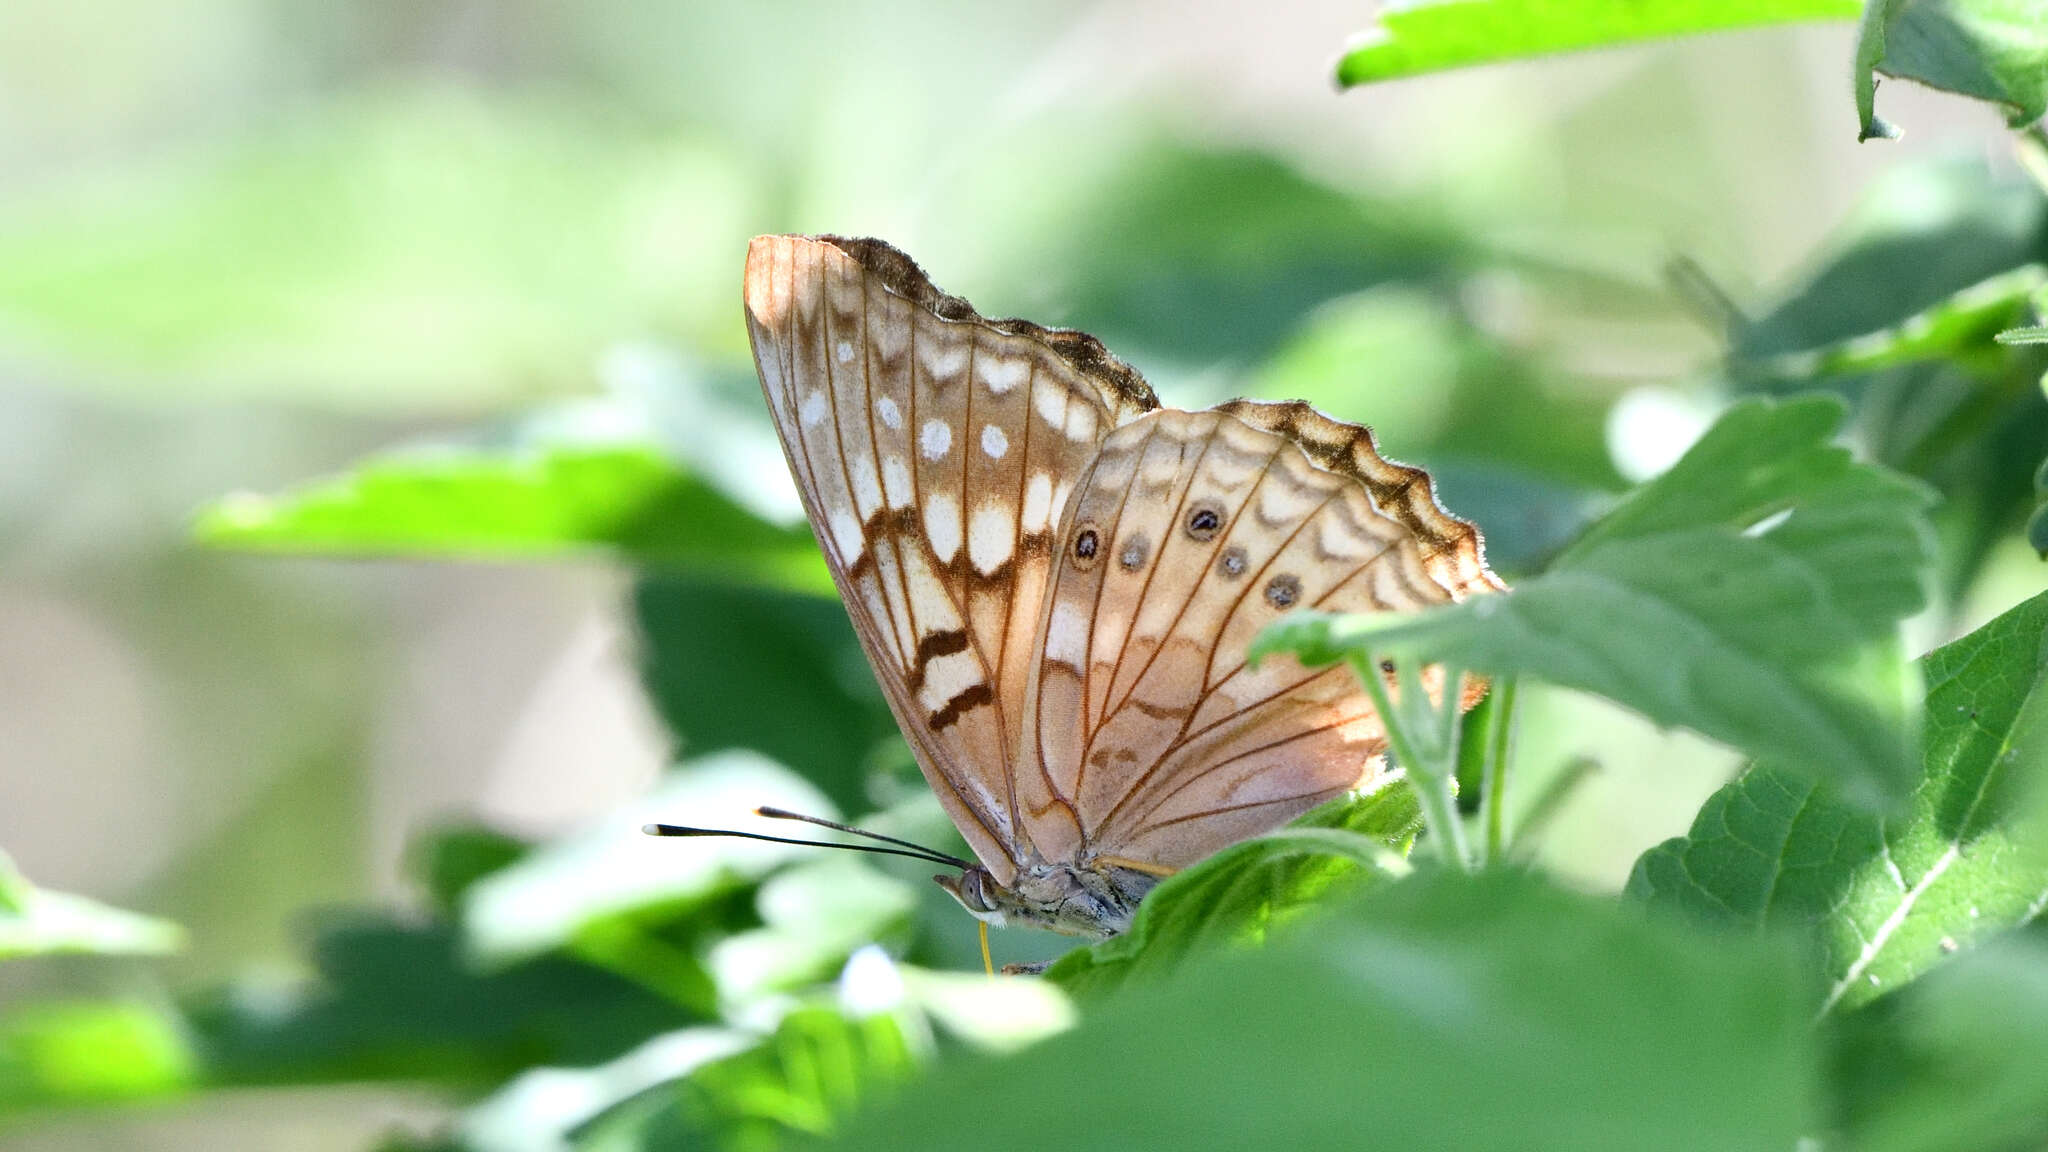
x=245, y=243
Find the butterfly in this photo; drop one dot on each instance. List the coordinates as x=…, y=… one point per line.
x=1056, y=579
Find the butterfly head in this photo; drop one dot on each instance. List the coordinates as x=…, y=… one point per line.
x=1083, y=901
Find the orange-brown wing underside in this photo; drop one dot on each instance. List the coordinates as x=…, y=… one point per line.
x=1148, y=739
x=935, y=450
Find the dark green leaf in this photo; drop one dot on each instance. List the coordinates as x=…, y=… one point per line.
x=1244, y=892
x=1582, y=1025
x=778, y=672
x=1417, y=36
x=1923, y=236
x=1990, y=50
x=394, y=1001
x=543, y=501
x=1204, y=256
x=450, y=861
x=1677, y=603
x=1886, y=899
x=1959, y=1060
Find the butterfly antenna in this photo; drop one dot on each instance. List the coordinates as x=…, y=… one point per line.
x=933, y=853
x=904, y=847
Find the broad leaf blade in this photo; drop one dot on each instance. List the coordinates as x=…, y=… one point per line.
x=1886, y=899
x=625, y=500
x=1959, y=1060
x=1588, y=1027
x=1676, y=603
x=1417, y=36
x=1990, y=50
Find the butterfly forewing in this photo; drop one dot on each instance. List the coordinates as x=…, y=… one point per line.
x=935, y=450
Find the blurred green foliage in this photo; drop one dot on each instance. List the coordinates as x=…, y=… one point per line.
x=551, y=220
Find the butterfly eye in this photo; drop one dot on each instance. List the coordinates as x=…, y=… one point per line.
x=1204, y=522
x=1282, y=591
x=1086, y=545
x=1134, y=553
x=1232, y=563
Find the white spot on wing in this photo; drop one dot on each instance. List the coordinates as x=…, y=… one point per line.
x=1037, y=503
x=942, y=525
x=935, y=439
x=846, y=536
x=994, y=442
x=892, y=416
x=845, y=352
x=813, y=411
x=948, y=676
x=867, y=491
x=943, y=358
x=1081, y=422
x=896, y=481
x=1049, y=400
x=1066, y=638
x=999, y=376
x=991, y=537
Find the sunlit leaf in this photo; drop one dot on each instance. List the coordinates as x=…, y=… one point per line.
x=36, y=922
x=88, y=1052
x=626, y=501
x=1885, y=899
x=1675, y=604
x=1587, y=1026
x=1417, y=36
x=546, y=899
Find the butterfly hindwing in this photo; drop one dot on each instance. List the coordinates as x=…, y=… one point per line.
x=1149, y=739
x=934, y=450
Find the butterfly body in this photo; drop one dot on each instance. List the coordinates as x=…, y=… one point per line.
x=1057, y=580
x=1093, y=900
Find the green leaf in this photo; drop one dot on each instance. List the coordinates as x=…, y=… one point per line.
x=2037, y=526
x=1967, y=326
x=1750, y=594
x=399, y=1001
x=38, y=922
x=1417, y=36
x=1923, y=235
x=1489, y=1012
x=79, y=1052
x=712, y=653
x=1959, y=1060
x=544, y=501
x=1884, y=899
x=550, y=898
x=1243, y=893
x=1190, y=256
x=1991, y=50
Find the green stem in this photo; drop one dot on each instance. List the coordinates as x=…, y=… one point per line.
x=1493, y=771
x=1432, y=776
